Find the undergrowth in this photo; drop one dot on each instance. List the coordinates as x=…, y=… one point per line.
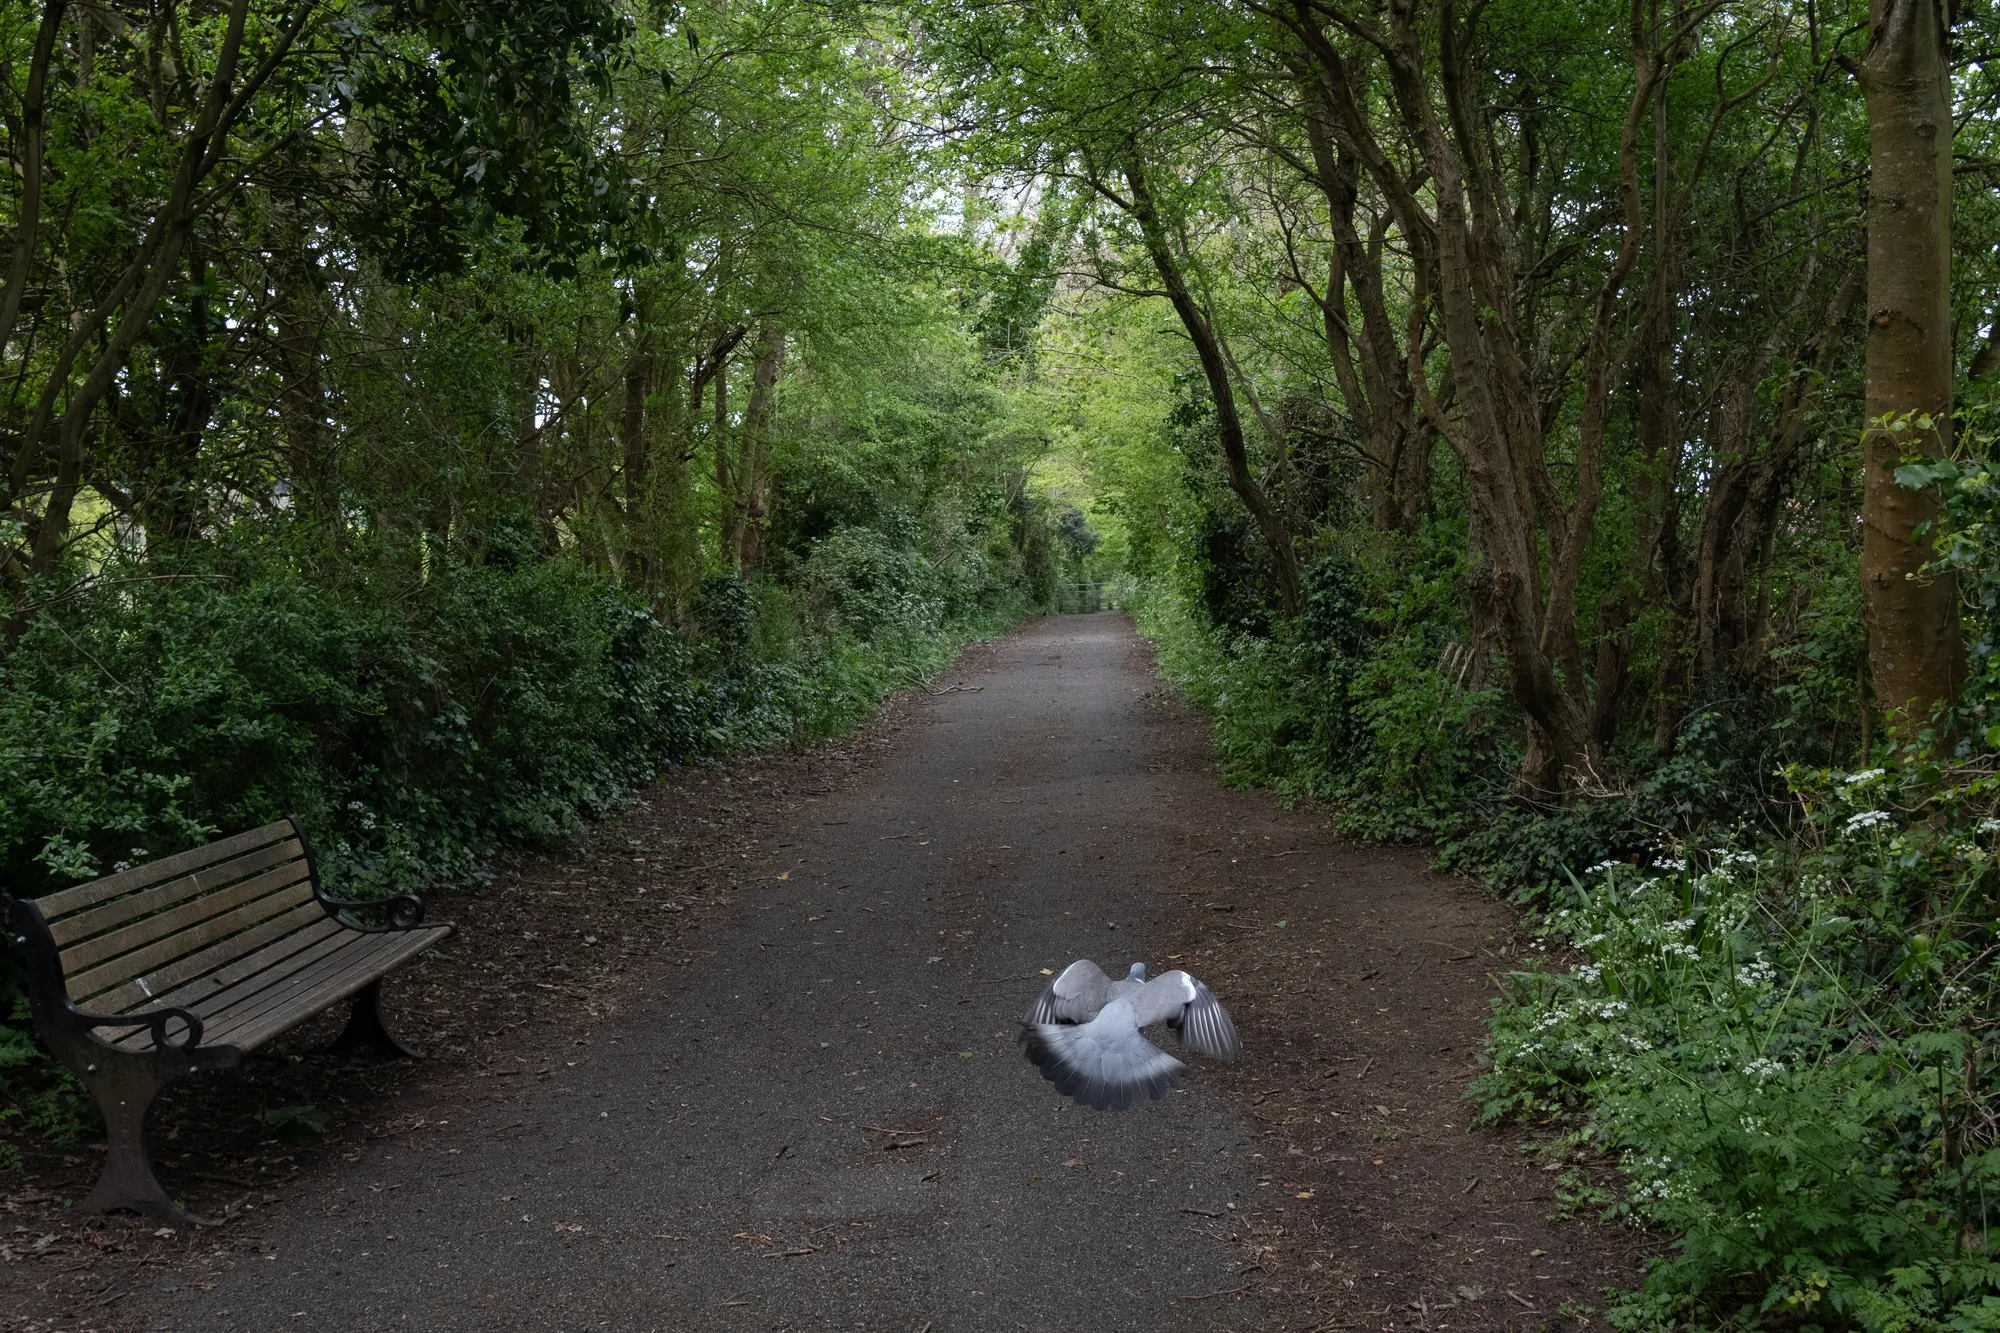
x=1763, y=976
x=418, y=730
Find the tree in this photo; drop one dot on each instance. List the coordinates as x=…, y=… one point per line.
x=1916, y=656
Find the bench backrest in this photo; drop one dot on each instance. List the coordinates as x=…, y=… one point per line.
x=129, y=937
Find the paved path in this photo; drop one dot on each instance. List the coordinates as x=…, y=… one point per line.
x=722, y=1158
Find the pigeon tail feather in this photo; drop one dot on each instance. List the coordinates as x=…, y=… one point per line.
x=1104, y=1064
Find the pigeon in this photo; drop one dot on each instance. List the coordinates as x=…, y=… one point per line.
x=1083, y=1033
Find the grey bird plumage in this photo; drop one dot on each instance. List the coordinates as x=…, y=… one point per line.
x=1084, y=1033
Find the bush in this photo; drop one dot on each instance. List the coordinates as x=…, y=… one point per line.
x=1788, y=1053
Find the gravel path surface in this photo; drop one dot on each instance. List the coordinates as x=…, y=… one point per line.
x=825, y=1121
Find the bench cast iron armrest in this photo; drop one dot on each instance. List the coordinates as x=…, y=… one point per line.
x=48, y=991
x=402, y=911
x=405, y=911
x=156, y=1019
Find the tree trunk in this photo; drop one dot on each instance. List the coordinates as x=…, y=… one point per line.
x=1215, y=368
x=1376, y=383
x=759, y=418
x=729, y=518
x=1916, y=656
x=635, y=447
x=302, y=396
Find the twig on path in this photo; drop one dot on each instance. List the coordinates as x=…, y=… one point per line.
x=1471, y=1185
x=896, y=1133
x=969, y=689
x=1211, y=1295
x=1522, y=1299
x=1462, y=954
x=789, y=1254
x=1364, y=1067
x=1369, y=976
x=1201, y=1212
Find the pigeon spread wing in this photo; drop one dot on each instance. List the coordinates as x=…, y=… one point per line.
x=1104, y=1063
x=1203, y=1024
x=1074, y=996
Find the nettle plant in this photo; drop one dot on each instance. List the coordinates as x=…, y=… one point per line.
x=1789, y=1052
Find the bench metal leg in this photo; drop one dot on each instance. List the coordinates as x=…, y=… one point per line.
x=365, y=1028
x=125, y=1092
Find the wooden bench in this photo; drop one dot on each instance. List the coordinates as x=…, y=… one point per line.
x=192, y=962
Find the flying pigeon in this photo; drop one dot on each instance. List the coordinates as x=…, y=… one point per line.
x=1083, y=1033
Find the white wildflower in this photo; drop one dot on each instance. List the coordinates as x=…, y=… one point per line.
x=1757, y=973
x=1687, y=951
x=1589, y=973
x=1598, y=938
x=1763, y=1067
x=1865, y=776
x=1612, y=1008
x=1680, y=927
x=1603, y=866
x=1989, y=825
x=1671, y=863
x=1867, y=819
x=1635, y=1041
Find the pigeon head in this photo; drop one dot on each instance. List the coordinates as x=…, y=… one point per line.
x=1138, y=972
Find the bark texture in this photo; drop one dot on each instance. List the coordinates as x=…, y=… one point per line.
x=1915, y=653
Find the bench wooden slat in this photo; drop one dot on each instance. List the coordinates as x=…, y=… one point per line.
x=223, y=964
x=266, y=887
x=256, y=999
x=329, y=987
x=295, y=956
x=329, y=979
x=141, y=961
x=299, y=986
x=80, y=925
x=280, y=965
x=61, y=904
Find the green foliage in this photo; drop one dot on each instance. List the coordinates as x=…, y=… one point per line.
x=415, y=734
x=1784, y=1051
x=1354, y=703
